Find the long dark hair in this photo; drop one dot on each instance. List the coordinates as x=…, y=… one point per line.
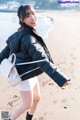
x=22, y=12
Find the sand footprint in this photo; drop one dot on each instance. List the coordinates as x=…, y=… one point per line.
x=41, y=118
x=15, y=98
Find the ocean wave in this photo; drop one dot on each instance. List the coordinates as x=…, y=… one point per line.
x=9, y=25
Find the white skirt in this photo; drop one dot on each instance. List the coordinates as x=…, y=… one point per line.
x=28, y=85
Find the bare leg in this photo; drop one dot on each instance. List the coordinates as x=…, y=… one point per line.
x=27, y=101
x=36, y=98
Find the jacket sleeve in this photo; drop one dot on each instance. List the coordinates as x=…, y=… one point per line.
x=37, y=52
x=4, y=53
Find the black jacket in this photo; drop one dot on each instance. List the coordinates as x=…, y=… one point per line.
x=29, y=46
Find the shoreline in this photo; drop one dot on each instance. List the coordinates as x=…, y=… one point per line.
x=8, y=28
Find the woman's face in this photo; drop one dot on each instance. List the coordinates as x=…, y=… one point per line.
x=30, y=19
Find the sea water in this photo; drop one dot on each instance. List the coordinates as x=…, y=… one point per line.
x=9, y=24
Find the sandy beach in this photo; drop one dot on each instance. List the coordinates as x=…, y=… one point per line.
x=64, y=44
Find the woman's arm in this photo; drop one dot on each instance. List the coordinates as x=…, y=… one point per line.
x=37, y=52
x=4, y=53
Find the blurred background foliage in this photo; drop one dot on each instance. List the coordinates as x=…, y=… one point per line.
x=44, y=4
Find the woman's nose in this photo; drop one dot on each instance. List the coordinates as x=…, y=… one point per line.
x=33, y=17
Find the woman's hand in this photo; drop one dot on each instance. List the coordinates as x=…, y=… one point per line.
x=67, y=83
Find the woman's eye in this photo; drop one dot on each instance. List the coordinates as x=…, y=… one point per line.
x=26, y=17
x=33, y=13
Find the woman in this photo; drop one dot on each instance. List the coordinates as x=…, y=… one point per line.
x=29, y=46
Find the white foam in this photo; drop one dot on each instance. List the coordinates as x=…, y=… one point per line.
x=9, y=25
